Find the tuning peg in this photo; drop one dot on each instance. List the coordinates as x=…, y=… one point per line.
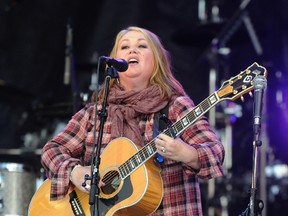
x=251, y=94
x=242, y=98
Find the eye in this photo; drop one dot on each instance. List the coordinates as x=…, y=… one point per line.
x=142, y=46
x=124, y=47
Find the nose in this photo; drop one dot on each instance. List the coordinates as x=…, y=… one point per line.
x=133, y=49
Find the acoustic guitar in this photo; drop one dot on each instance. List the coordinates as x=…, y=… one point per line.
x=133, y=184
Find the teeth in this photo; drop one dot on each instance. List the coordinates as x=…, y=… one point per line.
x=133, y=60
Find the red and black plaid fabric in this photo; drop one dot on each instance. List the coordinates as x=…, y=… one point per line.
x=181, y=187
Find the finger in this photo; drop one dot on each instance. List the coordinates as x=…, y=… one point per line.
x=87, y=187
x=101, y=184
x=166, y=139
x=162, y=136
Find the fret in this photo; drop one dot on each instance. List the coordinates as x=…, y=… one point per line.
x=173, y=130
x=135, y=161
x=121, y=172
x=167, y=132
x=205, y=105
x=191, y=116
x=145, y=152
x=141, y=154
x=198, y=111
x=178, y=126
x=184, y=121
x=150, y=150
x=138, y=158
x=152, y=144
x=126, y=168
x=213, y=99
x=131, y=164
x=129, y=167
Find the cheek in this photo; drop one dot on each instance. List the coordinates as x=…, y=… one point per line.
x=148, y=70
x=150, y=65
x=119, y=54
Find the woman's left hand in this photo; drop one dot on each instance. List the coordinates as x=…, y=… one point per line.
x=176, y=149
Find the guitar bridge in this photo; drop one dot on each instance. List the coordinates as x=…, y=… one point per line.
x=75, y=204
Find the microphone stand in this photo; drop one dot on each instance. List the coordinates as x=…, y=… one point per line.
x=111, y=72
x=255, y=205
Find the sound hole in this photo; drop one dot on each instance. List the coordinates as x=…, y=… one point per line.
x=112, y=181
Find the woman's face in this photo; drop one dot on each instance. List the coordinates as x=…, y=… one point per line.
x=134, y=48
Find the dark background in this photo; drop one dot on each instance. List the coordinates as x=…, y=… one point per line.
x=34, y=101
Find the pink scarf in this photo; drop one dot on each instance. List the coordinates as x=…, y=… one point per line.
x=125, y=108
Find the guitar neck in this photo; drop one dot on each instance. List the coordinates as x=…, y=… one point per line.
x=174, y=131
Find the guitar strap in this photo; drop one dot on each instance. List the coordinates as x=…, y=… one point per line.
x=161, y=122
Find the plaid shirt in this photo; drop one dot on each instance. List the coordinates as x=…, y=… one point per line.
x=181, y=187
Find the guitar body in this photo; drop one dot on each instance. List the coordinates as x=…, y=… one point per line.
x=140, y=193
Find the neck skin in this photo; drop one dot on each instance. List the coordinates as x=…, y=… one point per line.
x=133, y=85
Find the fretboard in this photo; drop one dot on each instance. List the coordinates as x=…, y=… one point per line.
x=174, y=130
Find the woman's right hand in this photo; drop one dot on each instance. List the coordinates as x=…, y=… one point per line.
x=77, y=177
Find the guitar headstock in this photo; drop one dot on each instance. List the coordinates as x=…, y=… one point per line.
x=240, y=84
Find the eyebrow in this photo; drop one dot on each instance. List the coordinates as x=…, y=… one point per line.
x=140, y=39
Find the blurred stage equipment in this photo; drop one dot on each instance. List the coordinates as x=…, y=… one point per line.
x=217, y=54
x=70, y=77
x=79, y=96
x=68, y=55
x=20, y=176
x=281, y=94
x=17, y=186
x=209, y=11
x=93, y=68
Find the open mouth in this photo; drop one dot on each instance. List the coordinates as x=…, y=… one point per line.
x=133, y=61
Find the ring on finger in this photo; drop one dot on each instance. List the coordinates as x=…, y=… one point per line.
x=163, y=149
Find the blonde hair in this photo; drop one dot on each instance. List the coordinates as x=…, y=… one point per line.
x=162, y=74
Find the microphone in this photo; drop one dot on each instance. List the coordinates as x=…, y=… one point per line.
x=119, y=64
x=259, y=84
